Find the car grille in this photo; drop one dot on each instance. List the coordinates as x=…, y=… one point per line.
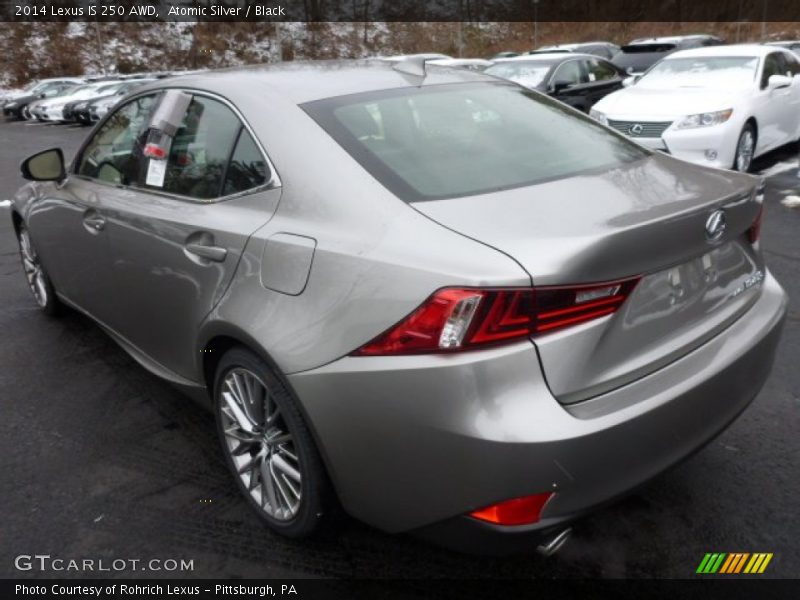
x=649, y=129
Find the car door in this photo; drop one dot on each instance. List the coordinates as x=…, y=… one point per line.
x=68, y=224
x=176, y=239
x=567, y=83
x=792, y=69
x=773, y=107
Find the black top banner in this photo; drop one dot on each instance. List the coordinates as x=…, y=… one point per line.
x=472, y=11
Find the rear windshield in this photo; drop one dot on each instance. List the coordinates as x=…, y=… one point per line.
x=644, y=48
x=447, y=141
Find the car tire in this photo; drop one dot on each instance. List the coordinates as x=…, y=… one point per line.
x=38, y=281
x=26, y=113
x=268, y=446
x=745, y=149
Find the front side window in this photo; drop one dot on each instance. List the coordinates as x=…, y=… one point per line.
x=455, y=140
x=113, y=154
x=772, y=66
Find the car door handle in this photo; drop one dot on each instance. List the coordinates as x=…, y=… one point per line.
x=94, y=222
x=215, y=253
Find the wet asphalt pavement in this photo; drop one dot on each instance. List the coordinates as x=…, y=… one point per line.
x=100, y=459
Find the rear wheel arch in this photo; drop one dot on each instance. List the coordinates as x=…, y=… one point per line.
x=226, y=338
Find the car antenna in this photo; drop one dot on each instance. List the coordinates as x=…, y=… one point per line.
x=413, y=65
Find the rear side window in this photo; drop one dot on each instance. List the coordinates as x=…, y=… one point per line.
x=200, y=150
x=248, y=168
x=600, y=70
x=447, y=141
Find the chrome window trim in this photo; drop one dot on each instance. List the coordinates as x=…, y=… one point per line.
x=274, y=180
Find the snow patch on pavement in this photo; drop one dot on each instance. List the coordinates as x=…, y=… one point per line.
x=791, y=201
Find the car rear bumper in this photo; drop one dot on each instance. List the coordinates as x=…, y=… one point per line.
x=417, y=442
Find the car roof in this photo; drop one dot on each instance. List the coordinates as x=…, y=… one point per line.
x=576, y=45
x=672, y=39
x=732, y=50
x=459, y=62
x=305, y=81
x=546, y=57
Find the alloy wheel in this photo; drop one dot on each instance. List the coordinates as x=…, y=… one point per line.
x=33, y=269
x=260, y=445
x=744, y=151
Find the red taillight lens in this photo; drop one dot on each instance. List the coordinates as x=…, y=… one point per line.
x=456, y=319
x=755, y=229
x=519, y=511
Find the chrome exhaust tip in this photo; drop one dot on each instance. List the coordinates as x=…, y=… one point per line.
x=554, y=544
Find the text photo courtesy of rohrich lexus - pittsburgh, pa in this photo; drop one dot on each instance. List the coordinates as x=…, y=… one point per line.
x=358, y=298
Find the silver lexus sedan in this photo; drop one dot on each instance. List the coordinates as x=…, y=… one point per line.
x=450, y=304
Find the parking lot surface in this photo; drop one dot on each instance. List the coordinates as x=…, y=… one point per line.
x=102, y=460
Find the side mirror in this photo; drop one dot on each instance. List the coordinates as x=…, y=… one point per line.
x=560, y=85
x=45, y=166
x=778, y=81
x=629, y=81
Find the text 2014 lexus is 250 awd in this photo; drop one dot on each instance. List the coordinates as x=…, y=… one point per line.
x=452, y=304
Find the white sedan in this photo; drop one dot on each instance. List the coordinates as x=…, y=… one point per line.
x=719, y=106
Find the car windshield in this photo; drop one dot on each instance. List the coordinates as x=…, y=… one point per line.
x=446, y=141
x=718, y=72
x=66, y=91
x=529, y=74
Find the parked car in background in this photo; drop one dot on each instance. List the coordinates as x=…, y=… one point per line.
x=18, y=107
x=505, y=54
x=42, y=85
x=793, y=45
x=603, y=49
x=719, y=106
x=425, y=56
x=53, y=109
x=460, y=308
x=578, y=80
x=640, y=54
x=84, y=110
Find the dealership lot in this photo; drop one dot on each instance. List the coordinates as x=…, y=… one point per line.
x=104, y=461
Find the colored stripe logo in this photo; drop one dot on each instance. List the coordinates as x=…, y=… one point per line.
x=734, y=563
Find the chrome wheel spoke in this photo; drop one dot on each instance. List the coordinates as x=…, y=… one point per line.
x=287, y=453
x=237, y=413
x=281, y=486
x=284, y=467
x=268, y=485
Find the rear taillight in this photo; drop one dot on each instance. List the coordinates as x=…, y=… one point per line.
x=455, y=319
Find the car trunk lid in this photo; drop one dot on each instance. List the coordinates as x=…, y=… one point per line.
x=644, y=219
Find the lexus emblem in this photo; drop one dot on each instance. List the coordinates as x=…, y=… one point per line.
x=715, y=225
x=636, y=129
